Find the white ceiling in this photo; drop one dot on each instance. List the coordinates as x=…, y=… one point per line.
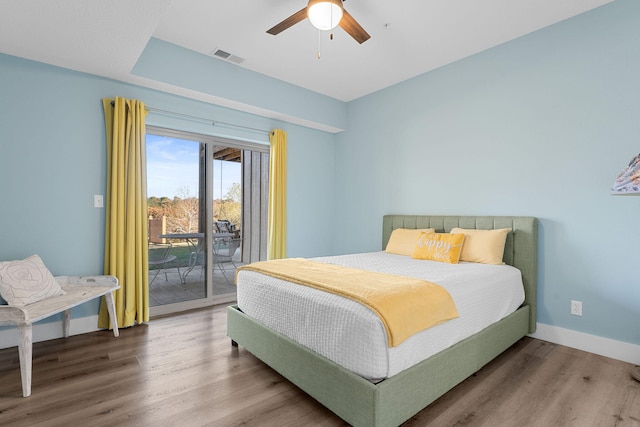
x=408, y=37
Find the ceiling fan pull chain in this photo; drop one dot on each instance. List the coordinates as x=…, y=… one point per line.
x=319, y=43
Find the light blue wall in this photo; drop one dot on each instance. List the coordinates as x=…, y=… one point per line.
x=539, y=126
x=53, y=160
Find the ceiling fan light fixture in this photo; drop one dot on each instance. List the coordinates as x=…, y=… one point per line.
x=325, y=14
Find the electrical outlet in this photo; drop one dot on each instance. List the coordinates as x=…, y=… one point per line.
x=576, y=308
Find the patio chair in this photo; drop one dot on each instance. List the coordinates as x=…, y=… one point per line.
x=160, y=255
x=223, y=251
x=222, y=226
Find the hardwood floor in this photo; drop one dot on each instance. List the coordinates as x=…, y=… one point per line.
x=182, y=371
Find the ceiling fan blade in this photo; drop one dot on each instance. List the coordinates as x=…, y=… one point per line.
x=290, y=21
x=352, y=28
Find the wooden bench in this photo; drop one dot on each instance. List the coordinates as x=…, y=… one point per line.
x=78, y=291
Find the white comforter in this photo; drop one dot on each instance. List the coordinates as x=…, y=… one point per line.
x=353, y=336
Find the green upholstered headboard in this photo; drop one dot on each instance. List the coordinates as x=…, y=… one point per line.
x=521, y=249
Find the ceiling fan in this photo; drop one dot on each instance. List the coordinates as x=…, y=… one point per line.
x=325, y=15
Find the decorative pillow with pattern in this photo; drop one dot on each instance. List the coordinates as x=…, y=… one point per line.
x=442, y=247
x=27, y=281
x=403, y=240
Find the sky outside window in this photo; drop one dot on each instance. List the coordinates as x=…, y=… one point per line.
x=172, y=169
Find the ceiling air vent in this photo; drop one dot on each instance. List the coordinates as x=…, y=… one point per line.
x=221, y=54
x=227, y=56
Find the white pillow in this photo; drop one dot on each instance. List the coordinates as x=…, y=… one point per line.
x=27, y=281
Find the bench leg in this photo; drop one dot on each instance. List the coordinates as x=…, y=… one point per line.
x=111, y=308
x=65, y=323
x=25, y=351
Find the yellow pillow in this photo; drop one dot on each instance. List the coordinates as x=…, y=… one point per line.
x=483, y=246
x=443, y=247
x=403, y=240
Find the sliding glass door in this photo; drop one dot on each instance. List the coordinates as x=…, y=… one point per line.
x=207, y=204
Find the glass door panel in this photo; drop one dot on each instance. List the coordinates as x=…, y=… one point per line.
x=227, y=217
x=176, y=194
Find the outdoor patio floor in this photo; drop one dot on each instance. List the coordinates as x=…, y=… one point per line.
x=172, y=290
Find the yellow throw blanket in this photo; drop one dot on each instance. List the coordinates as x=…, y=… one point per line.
x=405, y=305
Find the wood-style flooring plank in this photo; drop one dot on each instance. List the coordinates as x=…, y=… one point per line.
x=182, y=370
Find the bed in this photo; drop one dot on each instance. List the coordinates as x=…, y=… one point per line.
x=394, y=399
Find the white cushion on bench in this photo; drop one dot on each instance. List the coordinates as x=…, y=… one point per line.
x=27, y=281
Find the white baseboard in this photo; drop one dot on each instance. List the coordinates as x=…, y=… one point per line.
x=50, y=330
x=619, y=350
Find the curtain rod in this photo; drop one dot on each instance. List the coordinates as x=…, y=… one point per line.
x=204, y=119
x=213, y=122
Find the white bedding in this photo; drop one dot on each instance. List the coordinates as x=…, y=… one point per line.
x=352, y=335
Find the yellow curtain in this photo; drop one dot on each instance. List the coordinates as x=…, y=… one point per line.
x=277, y=228
x=125, y=254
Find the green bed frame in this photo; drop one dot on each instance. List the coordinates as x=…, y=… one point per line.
x=396, y=399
